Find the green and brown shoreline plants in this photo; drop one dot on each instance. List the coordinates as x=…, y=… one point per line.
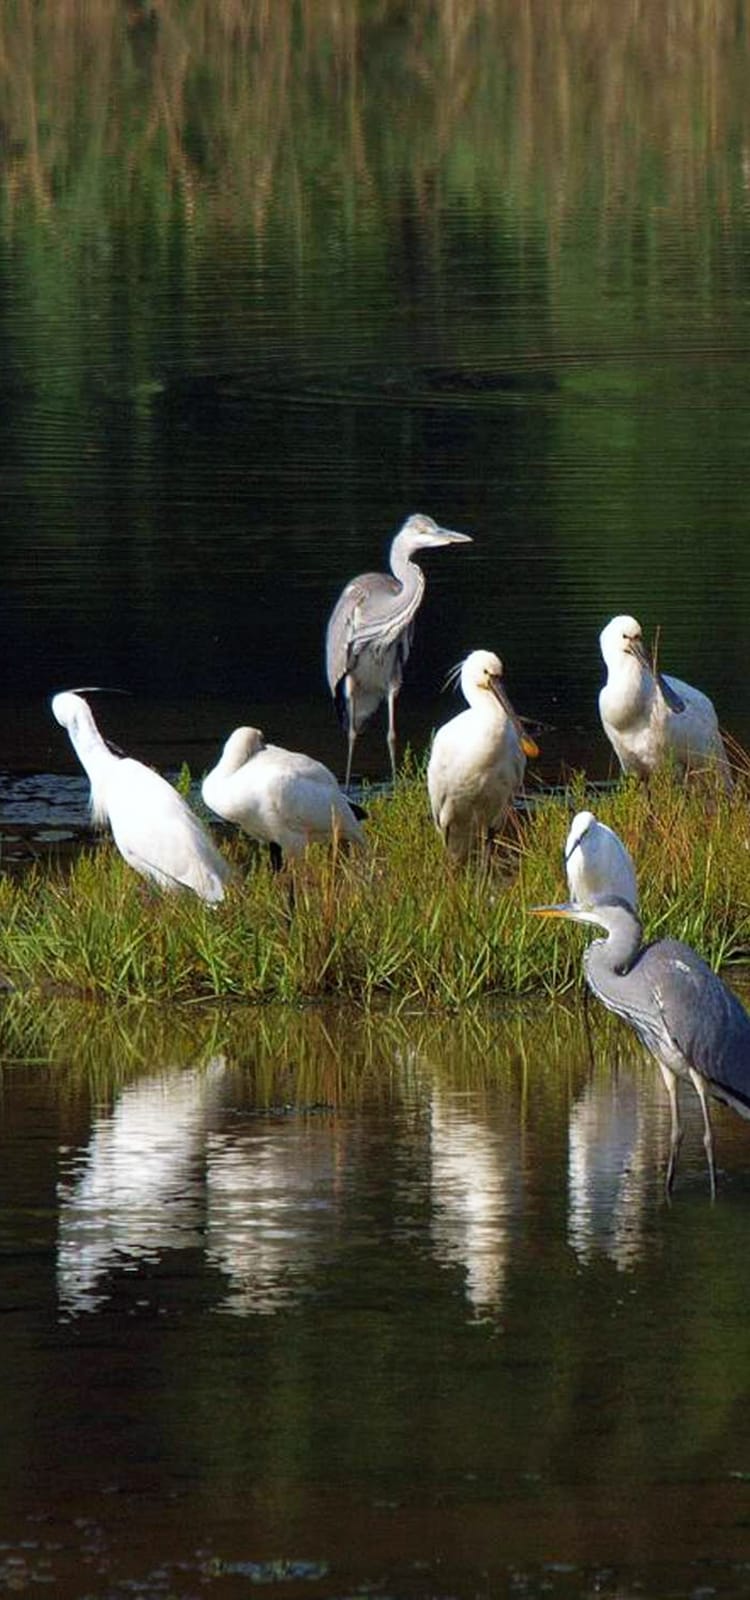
x=394, y=923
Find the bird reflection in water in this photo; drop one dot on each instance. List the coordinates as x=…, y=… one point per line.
x=273, y=1203
x=137, y=1188
x=683, y=1013
x=615, y=1147
x=475, y=1183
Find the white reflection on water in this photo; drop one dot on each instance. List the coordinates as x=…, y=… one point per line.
x=272, y=1198
x=137, y=1188
x=476, y=1187
x=612, y=1156
x=272, y=1209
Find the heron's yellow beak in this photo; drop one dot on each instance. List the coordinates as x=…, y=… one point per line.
x=529, y=747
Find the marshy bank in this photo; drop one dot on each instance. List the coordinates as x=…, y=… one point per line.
x=393, y=923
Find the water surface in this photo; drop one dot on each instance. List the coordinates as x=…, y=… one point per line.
x=291, y=273
x=330, y=1306
x=300, y=1304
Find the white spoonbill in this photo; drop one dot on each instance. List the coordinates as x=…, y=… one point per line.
x=279, y=796
x=478, y=759
x=597, y=863
x=153, y=827
x=648, y=717
x=370, y=631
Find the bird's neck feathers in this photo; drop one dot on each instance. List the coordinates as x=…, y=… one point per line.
x=87, y=741
x=238, y=750
x=229, y=762
x=629, y=690
x=97, y=799
x=405, y=569
x=483, y=700
x=617, y=952
x=95, y=757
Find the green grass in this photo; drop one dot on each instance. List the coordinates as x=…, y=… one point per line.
x=394, y=921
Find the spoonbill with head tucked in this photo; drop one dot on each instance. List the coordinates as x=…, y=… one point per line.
x=279, y=796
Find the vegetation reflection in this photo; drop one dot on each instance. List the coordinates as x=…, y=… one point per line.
x=251, y=1139
x=235, y=100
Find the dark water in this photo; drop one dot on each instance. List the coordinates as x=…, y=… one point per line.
x=306, y=1305
x=292, y=273
x=290, y=1304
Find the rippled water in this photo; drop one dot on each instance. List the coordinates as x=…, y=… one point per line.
x=359, y=267
x=305, y=1304
x=344, y=1306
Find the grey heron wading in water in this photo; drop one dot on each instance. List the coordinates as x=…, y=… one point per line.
x=478, y=759
x=649, y=718
x=370, y=631
x=280, y=796
x=597, y=863
x=682, y=1012
x=153, y=827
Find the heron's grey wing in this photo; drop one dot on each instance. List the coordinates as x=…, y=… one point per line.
x=705, y=1021
x=365, y=613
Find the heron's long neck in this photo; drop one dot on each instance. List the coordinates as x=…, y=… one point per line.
x=409, y=575
x=616, y=953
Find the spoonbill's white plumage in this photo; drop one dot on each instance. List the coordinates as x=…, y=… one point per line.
x=650, y=718
x=153, y=827
x=597, y=863
x=279, y=796
x=478, y=759
x=370, y=631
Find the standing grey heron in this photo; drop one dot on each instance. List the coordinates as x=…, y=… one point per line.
x=153, y=827
x=597, y=862
x=370, y=631
x=649, y=718
x=280, y=796
x=681, y=1011
x=478, y=759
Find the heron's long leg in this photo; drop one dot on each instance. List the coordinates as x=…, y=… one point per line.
x=351, y=734
x=675, y=1138
x=708, y=1138
x=391, y=735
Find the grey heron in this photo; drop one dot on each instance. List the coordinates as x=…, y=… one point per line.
x=478, y=759
x=279, y=796
x=153, y=827
x=597, y=862
x=682, y=1012
x=370, y=631
x=649, y=718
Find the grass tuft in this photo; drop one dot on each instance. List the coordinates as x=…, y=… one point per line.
x=394, y=921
